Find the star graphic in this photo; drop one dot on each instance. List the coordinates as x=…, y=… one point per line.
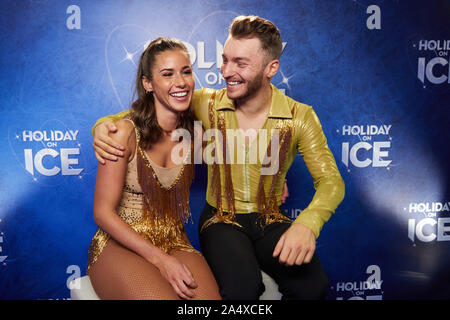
x=285, y=80
x=128, y=56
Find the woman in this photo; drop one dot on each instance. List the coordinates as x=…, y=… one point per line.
x=141, y=250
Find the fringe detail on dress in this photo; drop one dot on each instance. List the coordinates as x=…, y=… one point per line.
x=165, y=210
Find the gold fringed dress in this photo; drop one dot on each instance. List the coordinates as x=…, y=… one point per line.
x=155, y=203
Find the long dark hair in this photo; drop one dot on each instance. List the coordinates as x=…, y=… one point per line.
x=143, y=109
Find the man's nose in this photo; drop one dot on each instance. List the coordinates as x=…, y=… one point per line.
x=226, y=70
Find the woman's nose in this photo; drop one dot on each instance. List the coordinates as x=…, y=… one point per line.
x=180, y=81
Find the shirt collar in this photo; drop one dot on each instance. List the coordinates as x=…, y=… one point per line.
x=279, y=106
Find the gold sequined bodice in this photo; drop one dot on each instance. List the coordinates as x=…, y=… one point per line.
x=154, y=202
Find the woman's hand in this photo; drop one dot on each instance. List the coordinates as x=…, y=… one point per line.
x=177, y=274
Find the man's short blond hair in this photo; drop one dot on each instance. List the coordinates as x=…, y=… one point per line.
x=263, y=29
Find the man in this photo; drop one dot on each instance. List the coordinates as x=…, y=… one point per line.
x=241, y=228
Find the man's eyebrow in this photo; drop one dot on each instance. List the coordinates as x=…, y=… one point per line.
x=237, y=58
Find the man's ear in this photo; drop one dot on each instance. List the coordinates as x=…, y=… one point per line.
x=147, y=84
x=272, y=68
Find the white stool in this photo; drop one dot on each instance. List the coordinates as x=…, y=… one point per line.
x=81, y=289
x=271, y=292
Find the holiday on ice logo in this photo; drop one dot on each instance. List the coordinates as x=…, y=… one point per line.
x=429, y=223
x=371, y=148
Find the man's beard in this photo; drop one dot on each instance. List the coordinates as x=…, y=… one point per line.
x=253, y=86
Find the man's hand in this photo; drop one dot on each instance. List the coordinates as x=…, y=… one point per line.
x=296, y=245
x=104, y=146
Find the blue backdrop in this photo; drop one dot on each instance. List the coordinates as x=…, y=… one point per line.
x=376, y=72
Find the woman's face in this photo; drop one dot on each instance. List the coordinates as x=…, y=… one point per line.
x=172, y=80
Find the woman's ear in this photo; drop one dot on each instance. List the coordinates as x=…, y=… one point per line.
x=147, y=84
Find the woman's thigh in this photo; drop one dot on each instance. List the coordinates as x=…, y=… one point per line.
x=119, y=273
x=207, y=288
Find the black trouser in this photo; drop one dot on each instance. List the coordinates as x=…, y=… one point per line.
x=236, y=256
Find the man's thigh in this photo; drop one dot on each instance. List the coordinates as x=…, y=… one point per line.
x=307, y=281
x=231, y=256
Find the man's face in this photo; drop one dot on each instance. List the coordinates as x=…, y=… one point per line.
x=243, y=67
